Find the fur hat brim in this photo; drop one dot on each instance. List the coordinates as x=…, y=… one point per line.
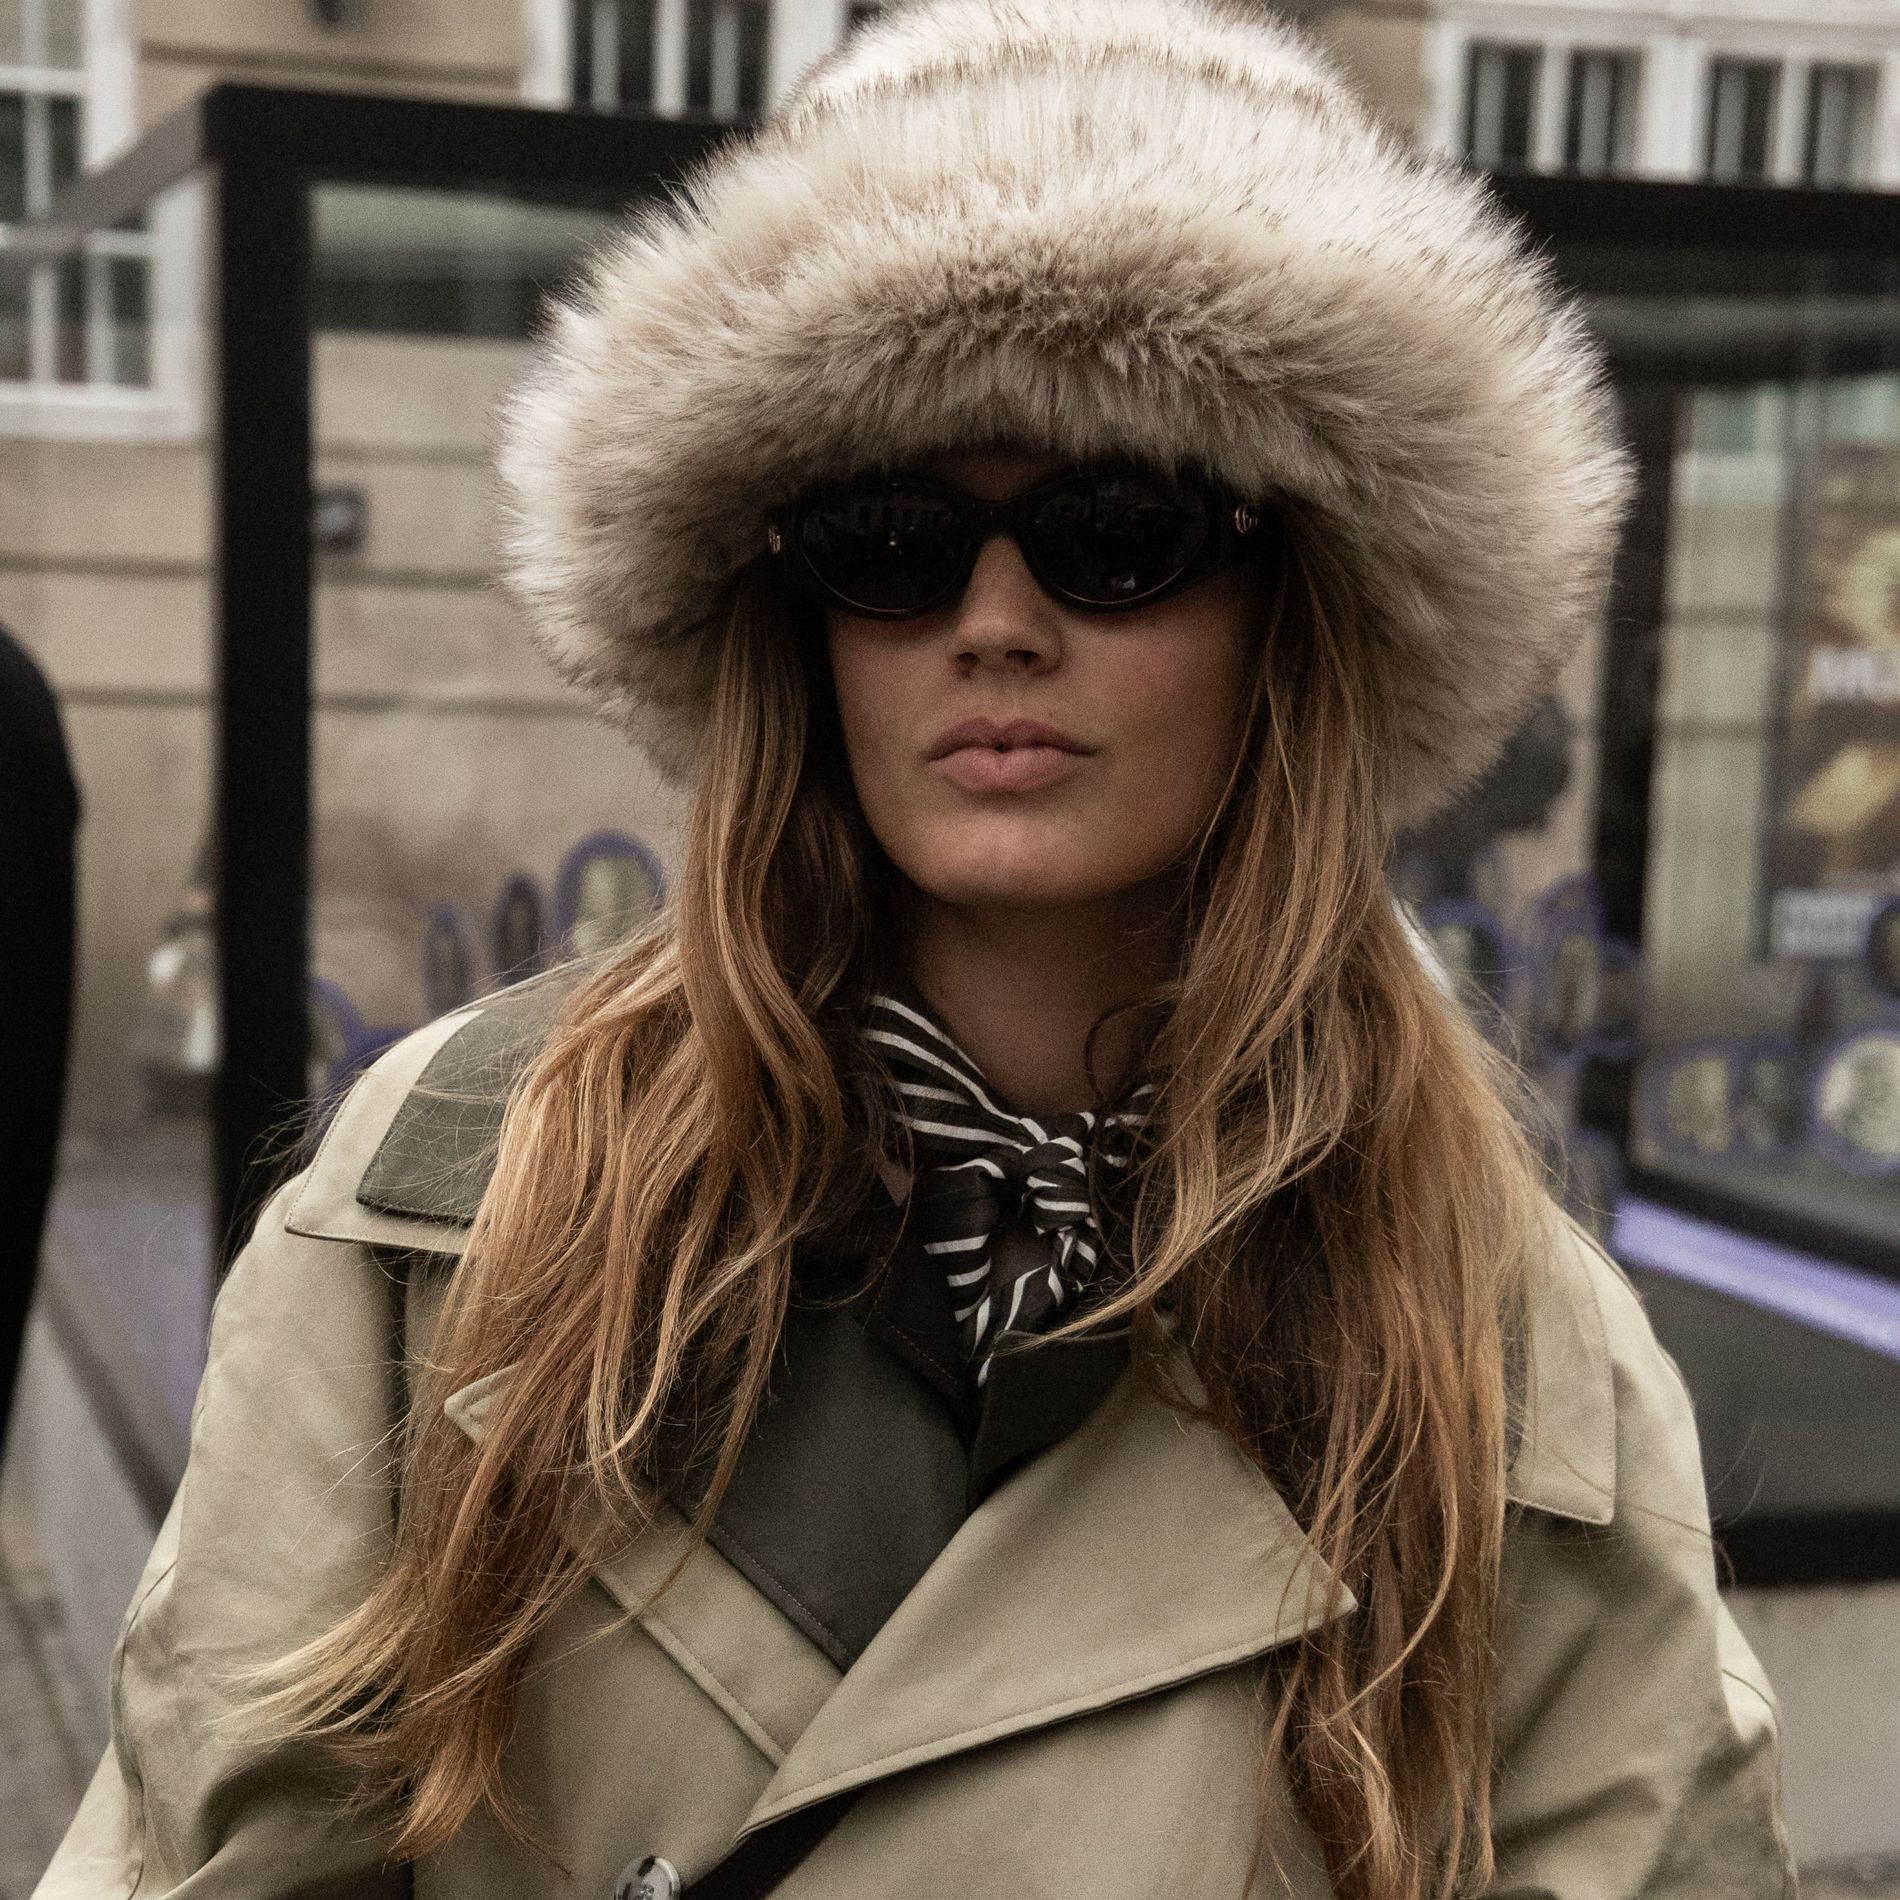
x=1155, y=227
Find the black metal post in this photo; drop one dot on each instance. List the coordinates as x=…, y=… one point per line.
x=1632, y=677
x=262, y=294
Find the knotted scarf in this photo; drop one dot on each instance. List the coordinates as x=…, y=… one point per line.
x=979, y=1161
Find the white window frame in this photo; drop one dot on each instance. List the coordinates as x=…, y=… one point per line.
x=1863, y=158
x=1675, y=58
x=1505, y=43
x=549, y=28
x=1625, y=152
x=1447, y=63
x=167, y=404
x=799, y=32
x=725, y=50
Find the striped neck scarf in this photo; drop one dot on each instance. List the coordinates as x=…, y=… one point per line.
x=979, y=1162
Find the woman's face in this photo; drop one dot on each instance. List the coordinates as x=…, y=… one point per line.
x=1010, y=750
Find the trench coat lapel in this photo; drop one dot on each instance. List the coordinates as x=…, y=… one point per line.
x=752, y=1663
x=1139, y=1552
x=1144, y=1550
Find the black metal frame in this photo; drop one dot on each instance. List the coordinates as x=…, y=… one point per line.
x=264, y=149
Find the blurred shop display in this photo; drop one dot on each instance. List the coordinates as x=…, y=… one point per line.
x=1834, y=841
x=608, y=885
x=1545, y=983
x=1770, y=1070
x=176, y=1043
x=1528, y=952
x=518, y=930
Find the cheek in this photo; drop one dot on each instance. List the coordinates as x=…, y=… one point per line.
x=866, y=684
x=881, y=683
x=1181, y=704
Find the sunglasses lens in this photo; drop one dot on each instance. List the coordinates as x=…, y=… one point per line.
x=1111, y=540
x=885, y=549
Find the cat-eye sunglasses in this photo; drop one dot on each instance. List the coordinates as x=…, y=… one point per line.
x=1104, y=538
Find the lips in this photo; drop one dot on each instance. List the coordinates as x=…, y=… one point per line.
x=1009, y=735
x=1016, y=755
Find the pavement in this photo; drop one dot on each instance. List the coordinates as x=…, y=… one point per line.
x=41, y=1771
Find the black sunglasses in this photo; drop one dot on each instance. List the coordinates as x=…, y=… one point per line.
x=1105, y=538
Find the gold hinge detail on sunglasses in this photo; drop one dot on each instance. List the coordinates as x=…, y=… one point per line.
x=1245, y=519
x=774, y=540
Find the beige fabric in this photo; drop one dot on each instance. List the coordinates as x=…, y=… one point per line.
x=1064, y=1707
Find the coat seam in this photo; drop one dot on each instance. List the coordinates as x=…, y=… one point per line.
x=790, y=1595
x=128, y=1754
x=670, y=1642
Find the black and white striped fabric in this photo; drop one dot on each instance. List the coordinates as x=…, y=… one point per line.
x=978, y=1162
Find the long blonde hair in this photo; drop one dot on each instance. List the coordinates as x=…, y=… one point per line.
x=1336, y=1206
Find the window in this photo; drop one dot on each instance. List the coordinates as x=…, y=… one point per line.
x=1501, y=103
x=1741, y=118
x=82, y=320
x=619, y=54
x=1840, y=136
x=1600, y=119
x=39, y=149
x=725, y=57
x=614, y=54
x=39, y=152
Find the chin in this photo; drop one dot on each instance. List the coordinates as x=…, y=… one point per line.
x=979, y=880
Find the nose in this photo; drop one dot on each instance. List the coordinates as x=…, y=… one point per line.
x=1004, y=620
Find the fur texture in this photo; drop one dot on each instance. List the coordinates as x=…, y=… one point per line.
x=1154, y=226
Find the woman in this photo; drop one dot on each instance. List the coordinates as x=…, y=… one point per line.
x=1014, y=1343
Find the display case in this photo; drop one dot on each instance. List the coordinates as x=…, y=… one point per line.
x=334, y=793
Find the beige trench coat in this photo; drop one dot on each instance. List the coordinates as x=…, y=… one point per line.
x=1061, y=1708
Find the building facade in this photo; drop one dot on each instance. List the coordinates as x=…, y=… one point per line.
x=1764, y=94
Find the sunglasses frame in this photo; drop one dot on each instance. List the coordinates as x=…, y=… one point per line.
x=1231, y=521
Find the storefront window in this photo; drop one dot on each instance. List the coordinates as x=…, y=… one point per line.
x=108, y=580
x=472, y=820
x=329, y=791
x=1771, y=1064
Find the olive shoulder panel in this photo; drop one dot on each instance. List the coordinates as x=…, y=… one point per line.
x=410, y=1152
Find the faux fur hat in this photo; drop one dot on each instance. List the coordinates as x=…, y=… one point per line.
x=1156, y=227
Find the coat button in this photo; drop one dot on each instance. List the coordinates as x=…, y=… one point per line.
x=649, y=1879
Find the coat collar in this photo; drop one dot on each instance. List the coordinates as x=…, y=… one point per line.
x=1139, y=1552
